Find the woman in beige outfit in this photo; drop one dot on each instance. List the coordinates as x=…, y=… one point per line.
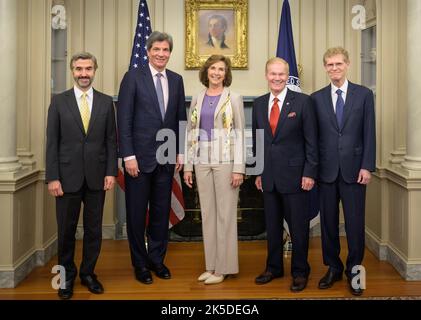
x=215, y=148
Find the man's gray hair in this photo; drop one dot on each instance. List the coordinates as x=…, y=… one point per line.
x=157, y=36
x=83, y=56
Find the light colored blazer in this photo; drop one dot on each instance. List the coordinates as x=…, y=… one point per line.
x=236, y=136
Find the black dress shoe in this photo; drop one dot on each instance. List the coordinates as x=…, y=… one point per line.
x=161, y=271
x=143, y=275
x=329, y=279
x=92, y=283
x=67, y=292
x=298, y=284
x=355, y=291
x=266, y=277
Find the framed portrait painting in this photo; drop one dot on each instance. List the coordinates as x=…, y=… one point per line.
x=216, y=27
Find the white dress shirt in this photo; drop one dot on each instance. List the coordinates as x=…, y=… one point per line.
x=164, y=82
x=344, y=89
x=281, y=98
x=89, y=97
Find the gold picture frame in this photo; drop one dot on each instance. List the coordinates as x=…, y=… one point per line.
x=203, y=18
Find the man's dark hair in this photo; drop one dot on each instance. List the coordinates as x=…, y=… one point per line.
x=157, y=36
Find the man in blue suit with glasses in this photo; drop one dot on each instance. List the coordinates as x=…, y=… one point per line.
x=347, y=155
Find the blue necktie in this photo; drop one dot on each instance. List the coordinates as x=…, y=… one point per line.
x=339, y=108
x=160, y=94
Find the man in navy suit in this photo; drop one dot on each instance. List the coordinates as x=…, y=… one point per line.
x=151, y=98
x=347, y=150
x=289, y=126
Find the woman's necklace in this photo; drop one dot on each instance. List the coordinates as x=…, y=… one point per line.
x=212, y=100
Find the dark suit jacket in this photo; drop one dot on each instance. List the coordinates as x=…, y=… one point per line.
x=292, y=152
x=72, y=155
x=352, y=147
x=139, y=118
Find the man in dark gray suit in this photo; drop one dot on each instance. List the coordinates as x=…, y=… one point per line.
x=347, y=150
x=81, y=164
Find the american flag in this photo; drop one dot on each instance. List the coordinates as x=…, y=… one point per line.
x=143, y=30
x=139, y=57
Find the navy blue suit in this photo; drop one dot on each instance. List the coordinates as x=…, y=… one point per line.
x=343, y=153
x=139, y=120
x=290, y=154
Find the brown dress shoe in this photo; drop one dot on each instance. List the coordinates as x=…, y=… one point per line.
x=266, y=277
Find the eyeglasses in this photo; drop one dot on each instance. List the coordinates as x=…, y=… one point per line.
x=334, y=65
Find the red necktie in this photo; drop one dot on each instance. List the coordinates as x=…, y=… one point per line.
x=274, y=115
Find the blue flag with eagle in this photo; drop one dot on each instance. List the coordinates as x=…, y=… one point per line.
x=286, y=51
